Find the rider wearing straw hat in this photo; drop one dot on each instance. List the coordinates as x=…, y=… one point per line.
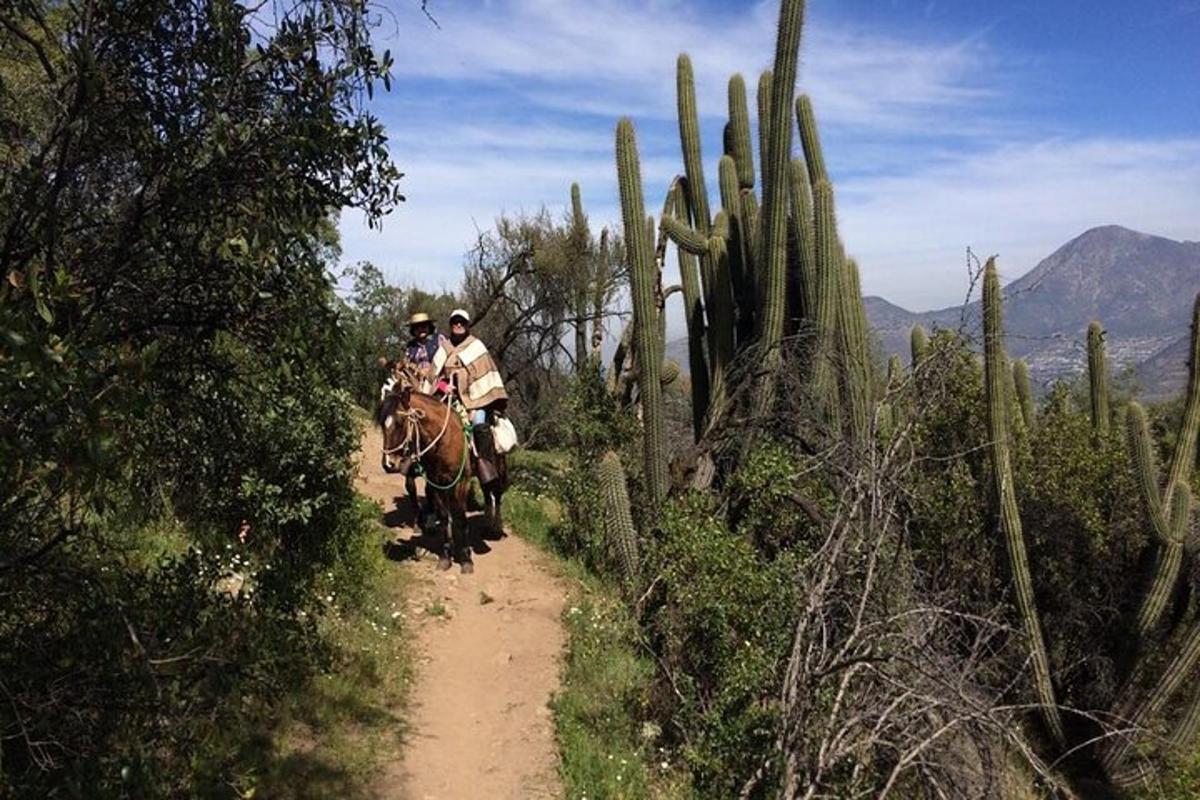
x=423, y=344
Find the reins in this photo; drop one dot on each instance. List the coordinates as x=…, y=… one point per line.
x=412, y=417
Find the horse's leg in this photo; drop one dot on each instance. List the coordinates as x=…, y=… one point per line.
x=440, y=501
x=462, y=538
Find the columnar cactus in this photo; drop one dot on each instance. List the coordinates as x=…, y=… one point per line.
x=855, y=366
x=1098, y=378
x=617, y=520
x=810, y=140
x=689, y=140
x=775, y=181
x=739, y=129
x=580, y=254
x=805, y=234
x=742, y=287
x=829, y=273
x=918, y=345
x=1024, y=396
x=995, y=367
x=764, y=122
x=693, y=310
x=644, y=282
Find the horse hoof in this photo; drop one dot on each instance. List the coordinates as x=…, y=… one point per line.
x=467, y=568
x=444, y=562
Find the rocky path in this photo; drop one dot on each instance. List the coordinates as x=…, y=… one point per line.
x=488, y=648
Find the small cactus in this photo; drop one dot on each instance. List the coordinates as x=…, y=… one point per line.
x=618, y=520
x=1098, y=379
x=918, y=345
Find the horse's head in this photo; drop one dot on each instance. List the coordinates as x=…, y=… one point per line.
x=392, y=418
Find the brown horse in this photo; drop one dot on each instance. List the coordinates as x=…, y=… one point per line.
x=418, y=426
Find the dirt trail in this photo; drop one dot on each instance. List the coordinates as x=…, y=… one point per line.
x=488, y=649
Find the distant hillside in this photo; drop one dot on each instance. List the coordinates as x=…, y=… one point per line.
x=1141, y=288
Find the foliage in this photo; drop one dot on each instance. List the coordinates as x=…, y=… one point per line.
x=720, y=622
x=165, y=378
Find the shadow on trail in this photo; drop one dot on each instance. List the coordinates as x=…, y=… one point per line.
x=431, y=538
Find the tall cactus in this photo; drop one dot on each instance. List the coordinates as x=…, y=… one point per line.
x=644, y=284
x=855, y=366
x=739, y=128
x=805, y=234
x=618, y=520
x=810, y=141
x=829, y=273
x=918, y=345
x=995, y=367
x=764, y=121
x=775, y=181
x=1024, y=396
x=1098, y=378
x=693, y=310
x=689, y=140
x=580, y=246
x=742, y=286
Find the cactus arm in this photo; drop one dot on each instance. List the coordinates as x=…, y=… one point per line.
x=739, y=132
x=1184, y=457
x=810, y=140
x=684, y=236
x=775, y=182
x=764, y=123
x=694, y=317
x=995, y=364
x=743, y=290
x=689, y=140
x=644, y=291
x=579, y=251
x=802, y=229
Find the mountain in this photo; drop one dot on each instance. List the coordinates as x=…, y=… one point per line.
x=1140, y=287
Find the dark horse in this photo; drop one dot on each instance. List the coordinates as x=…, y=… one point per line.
x=418, y=426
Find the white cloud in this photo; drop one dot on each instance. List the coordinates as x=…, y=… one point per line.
x=512, y=100
x=1021, y=201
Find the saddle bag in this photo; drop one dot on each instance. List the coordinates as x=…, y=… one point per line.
x=504, y=435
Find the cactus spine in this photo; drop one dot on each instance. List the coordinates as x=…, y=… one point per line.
x=1098, y=379
x=775, y=184
x=995, y=365
x=644, y=282
x=618, y=521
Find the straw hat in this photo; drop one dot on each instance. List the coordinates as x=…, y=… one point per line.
x=418, y=318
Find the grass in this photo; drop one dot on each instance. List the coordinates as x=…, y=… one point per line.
x=332, y=738
x=607, y=749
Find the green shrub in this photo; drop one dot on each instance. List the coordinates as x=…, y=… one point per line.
x=721, y=622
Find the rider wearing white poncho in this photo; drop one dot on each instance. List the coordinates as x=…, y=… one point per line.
x=466, y=363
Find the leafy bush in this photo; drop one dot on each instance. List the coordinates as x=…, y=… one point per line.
x=720, y=620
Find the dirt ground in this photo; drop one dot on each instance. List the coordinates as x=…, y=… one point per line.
x=488, y=655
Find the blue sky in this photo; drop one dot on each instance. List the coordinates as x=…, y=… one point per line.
x=1008, y=127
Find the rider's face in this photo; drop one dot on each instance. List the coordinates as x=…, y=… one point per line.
x=457, y=326
x=421, y=331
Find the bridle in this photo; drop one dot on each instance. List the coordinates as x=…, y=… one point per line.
x=412, y=433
